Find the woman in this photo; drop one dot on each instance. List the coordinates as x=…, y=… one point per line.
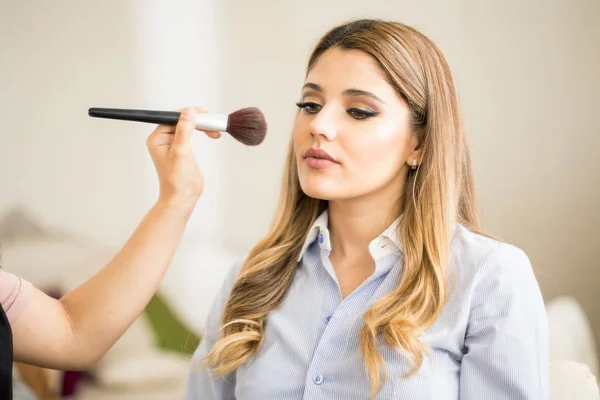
x=374, y=280
x=75, y=331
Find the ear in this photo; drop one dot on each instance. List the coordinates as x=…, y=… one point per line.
x=414, y=159
x=414, y=142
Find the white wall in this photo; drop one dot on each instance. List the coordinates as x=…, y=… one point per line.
x=526, y=72
x=69, y=169
x=529, y=83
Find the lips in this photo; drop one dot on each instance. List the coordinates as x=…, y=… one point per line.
x=319, y=155
x=319, y=159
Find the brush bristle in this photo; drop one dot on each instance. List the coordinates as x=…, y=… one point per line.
x=247, y=125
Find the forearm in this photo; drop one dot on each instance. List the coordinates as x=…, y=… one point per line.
x=77, y=330
x=102, y=308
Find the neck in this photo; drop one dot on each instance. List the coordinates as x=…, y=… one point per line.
x=354, y=223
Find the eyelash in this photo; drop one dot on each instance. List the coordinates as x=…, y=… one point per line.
x=356, y=113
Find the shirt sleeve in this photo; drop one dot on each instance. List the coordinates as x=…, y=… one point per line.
x=507, y=347
x=201, y=384
x=14, y=295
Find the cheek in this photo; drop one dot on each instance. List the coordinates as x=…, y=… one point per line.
x=390, y=132
x=384, y=146
x=299, y=133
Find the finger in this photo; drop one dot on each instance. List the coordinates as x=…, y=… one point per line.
x=210, y=134
x=201, y=110
x=158, y=139
x=171, y=128
x=184, y=128
x=198, y=109
x=165, y=128
x=213, y=134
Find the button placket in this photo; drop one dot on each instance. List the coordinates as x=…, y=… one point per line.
x=316, y=374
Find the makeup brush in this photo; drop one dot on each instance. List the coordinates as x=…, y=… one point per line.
x=246, y=125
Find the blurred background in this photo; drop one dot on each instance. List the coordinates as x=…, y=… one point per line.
x=74, y=188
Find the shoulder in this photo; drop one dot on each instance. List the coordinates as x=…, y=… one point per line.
x=232, y=274
x=14, y=294
x=496, y=265
x=503, y=294
x=497, y=277
x=218, y=305
x=228, y=283
x=479, y=252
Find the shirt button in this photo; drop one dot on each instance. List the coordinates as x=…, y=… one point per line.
x=320, y=238
x=318, y=379
x=328, y=319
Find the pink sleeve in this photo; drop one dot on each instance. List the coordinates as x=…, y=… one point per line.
x=14, y=295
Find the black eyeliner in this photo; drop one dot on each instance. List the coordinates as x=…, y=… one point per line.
x=366, y=112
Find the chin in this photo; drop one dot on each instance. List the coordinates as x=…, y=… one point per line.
x=322, y=190
x=317, y=194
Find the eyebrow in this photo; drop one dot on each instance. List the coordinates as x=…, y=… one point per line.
x=347, y=92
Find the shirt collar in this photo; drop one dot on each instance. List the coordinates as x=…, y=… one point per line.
x=318, y=229
x=387, y=243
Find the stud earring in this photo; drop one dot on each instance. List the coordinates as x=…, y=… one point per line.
x=414, y=164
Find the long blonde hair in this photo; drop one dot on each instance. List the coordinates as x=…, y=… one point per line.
x=436, y=196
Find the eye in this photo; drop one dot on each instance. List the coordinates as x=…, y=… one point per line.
x=310, y=107
x=357, y=113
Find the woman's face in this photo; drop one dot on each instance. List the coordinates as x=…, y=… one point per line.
x=349, y=113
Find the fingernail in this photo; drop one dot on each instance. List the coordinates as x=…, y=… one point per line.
x=188, y=114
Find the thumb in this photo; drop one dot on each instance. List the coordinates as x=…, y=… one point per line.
x=185, y=127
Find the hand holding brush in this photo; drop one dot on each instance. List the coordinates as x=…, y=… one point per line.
x=83, y=325
x=246, y=125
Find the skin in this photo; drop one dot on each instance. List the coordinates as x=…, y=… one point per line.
x=352, y=112
x=77, y=330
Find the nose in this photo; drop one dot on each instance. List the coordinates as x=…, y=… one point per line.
x=323, y=124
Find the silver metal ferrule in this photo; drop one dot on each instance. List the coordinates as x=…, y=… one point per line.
x=212, y=122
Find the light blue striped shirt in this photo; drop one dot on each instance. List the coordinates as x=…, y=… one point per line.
x=489, y=343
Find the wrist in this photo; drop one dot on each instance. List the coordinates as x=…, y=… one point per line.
x=177, y=204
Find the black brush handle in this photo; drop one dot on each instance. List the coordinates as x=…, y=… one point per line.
x=154, y=117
